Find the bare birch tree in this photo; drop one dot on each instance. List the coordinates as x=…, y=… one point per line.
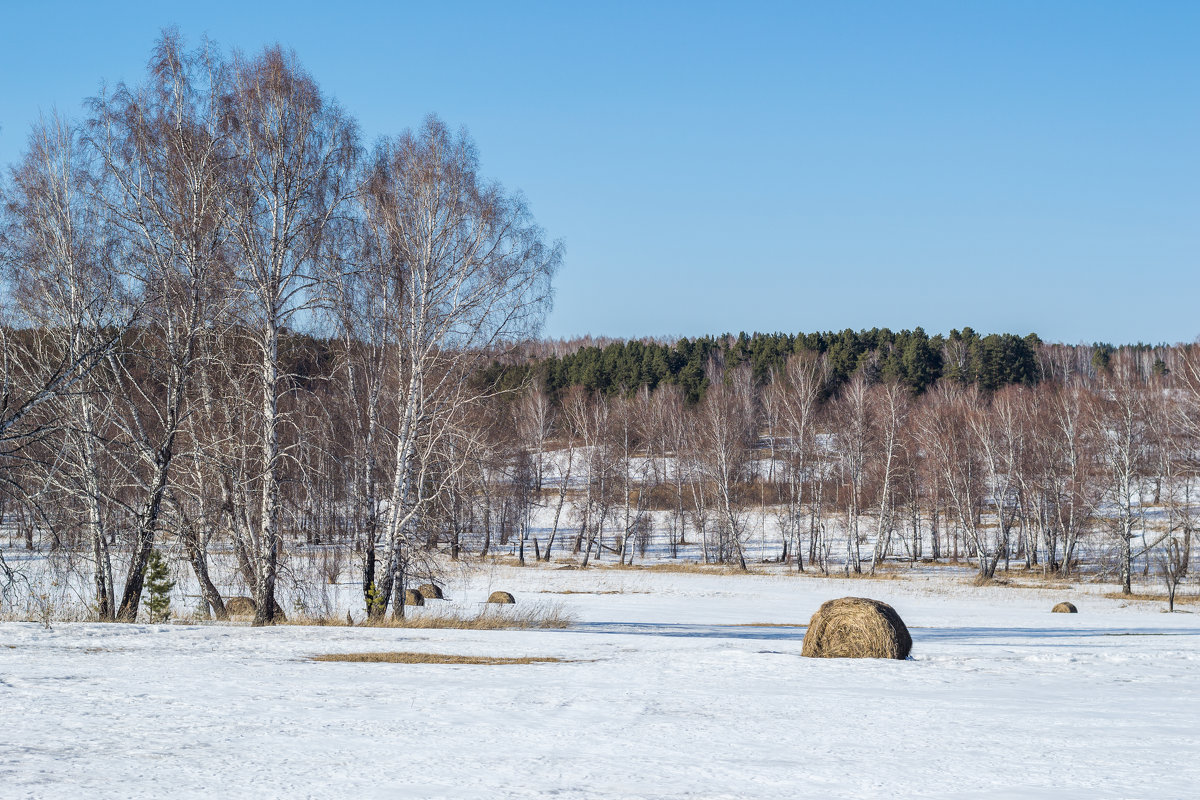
x=165, y=188
x=468, y=271
x=56, y=253
x=293, y=155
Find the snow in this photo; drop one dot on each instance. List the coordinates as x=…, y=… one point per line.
x=672, y=692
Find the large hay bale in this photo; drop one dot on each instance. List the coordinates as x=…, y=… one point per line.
x=246, y=607
x=240, y=606
x=431, y=591
x=1064, y=608
x=412, y=597
x=501, y=597
x=856, y=627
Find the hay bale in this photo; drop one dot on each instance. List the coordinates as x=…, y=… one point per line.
x=412, y=597
x=246, y=607
x=501, y=597
x=1064, y=608
x=240, y=606
x=856, y=627
x=431, y=591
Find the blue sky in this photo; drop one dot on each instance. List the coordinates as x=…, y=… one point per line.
x=1013, y=166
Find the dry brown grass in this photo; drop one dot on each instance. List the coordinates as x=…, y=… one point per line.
x=880, y=575
x=316, y=621
x=1064, y=608
x=980, y=580
x=1153, y=597
x=856, y=627
x=436, y=658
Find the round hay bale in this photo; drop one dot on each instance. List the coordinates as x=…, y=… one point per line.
x=856, y=627
x=1064, y=608
x=431, y=591
x=501, y=597
x=412, y=597
x=240, y=606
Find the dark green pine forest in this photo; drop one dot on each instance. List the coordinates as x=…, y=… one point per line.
x=912, y=357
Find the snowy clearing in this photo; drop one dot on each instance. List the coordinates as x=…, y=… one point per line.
x=669, y=690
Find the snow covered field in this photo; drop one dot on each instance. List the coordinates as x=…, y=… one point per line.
x=671, y=691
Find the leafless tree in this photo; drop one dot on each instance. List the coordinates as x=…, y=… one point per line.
x=165, y=186
x=799, y=388
x=565, y=428
x=889, y=415
x=726, y=430
x=945, y=432
x=669, y=424
x=855, y=443
x=57, y=251
x=467, y=270
x=533, y=420
x=630, y=429
x=293, y=155
x=1120, y=420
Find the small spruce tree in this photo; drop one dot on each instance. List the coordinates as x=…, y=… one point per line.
x=158, y=587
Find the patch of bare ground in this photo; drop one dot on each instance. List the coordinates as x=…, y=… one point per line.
x=437, y=658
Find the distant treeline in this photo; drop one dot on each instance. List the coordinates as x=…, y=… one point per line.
x=912, y=357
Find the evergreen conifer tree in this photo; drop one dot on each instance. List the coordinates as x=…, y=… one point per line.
x=158, y=587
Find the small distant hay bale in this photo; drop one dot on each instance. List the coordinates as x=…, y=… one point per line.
x=856, y=627
x=413, y=597
x=240, y=606
x=1064, y=608
x=431, y=591
x=503, y=598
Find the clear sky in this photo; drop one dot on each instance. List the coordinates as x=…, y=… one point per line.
x=1012, y=166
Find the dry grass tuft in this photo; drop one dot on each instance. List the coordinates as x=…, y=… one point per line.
x=856, y=627
x=436, y=658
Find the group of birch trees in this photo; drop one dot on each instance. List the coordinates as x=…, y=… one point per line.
x=159, y=257
x=1091, y=468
